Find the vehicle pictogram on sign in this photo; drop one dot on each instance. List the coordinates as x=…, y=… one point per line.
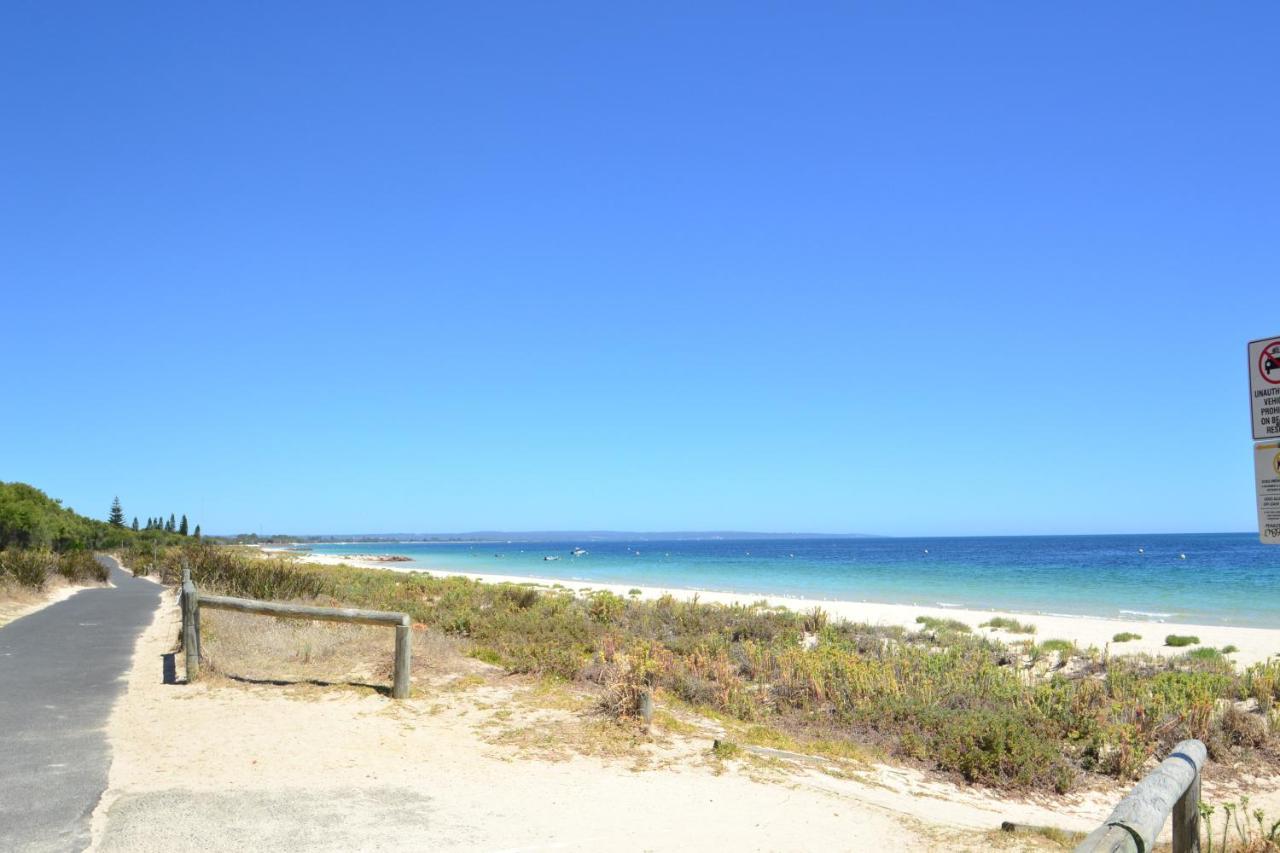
x=1269, y=362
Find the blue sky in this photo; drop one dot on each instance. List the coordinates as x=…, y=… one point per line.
x=894, y=268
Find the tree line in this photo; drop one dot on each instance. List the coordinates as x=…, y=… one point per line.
x=29, y=518
x=116, y=519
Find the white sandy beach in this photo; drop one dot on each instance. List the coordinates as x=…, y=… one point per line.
x=1254, y=644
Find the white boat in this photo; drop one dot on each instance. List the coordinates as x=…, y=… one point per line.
x=579, y=552
x=550, y=558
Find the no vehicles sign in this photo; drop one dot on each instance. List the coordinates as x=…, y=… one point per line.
x=1264, y=387
x=1266, y=467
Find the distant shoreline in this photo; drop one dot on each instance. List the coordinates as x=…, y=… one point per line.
x=1254, y=644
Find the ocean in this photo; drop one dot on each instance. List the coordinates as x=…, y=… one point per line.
x=1208, y=579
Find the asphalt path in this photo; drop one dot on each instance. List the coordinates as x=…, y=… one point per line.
x=61, y=670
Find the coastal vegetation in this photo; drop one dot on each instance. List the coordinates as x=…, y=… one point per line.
x=34, y=567
x=1013, y=626
x=1007, y=715
x=933, y=623
x=1177, y=640
x=41, y=540
x=29, y=518
x=1244, y=830
x=1125, y=637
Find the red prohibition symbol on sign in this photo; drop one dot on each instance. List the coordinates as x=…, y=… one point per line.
x=1269, y=362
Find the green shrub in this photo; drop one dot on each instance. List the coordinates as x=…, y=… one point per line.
x=724, y=749
x=1178, y=640
x=1230, y=649
x=934, y=623
x=1058, y=646
x=81, y=567
x=1125, y=636
x=29, y=568
x=1013, y=626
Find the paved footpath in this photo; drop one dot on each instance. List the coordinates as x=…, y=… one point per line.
x=61, y=670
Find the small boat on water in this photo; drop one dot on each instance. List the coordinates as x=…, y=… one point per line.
x=550, y=558
x=579, y=552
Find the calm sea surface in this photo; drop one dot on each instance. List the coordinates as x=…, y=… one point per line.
x=1225, y=578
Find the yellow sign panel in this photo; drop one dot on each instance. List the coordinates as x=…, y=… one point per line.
x=1266, y=469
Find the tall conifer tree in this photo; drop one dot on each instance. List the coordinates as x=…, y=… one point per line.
x=117, y=513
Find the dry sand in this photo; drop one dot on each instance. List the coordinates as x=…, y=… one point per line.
x=1254, y=644
x=482, y=761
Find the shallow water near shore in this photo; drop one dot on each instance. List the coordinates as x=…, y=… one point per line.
x=1207, y=579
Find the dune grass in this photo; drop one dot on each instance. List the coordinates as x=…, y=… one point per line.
x=934, y=623
x=957, y=702
x=1013, y=626
x=1178, y=640
x=1125, y=637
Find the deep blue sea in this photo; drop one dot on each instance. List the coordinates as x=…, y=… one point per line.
x=1217, y=578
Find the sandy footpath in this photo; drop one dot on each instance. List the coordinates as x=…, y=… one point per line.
x=1254, y=644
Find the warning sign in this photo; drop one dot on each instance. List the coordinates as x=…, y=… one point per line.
x=1266, y=468
x=1264, y=387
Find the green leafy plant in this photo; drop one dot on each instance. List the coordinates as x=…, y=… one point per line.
x=1013, y=626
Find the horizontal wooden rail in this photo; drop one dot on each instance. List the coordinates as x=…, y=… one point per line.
x=193, y=601
x=1172, y=788
x=303, y=611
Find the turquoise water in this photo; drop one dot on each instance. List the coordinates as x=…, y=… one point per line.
x=1225, y=578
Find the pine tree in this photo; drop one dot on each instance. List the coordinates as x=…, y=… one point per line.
x=135, y=524
x=170, y=525
x=116, y=519
x=197, y=531
x=182, y=526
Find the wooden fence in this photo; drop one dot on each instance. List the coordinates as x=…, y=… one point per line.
x=1172, y=788
x=193, y=602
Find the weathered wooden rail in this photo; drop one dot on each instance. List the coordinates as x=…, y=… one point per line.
x=1172, y=788
x=193, y=602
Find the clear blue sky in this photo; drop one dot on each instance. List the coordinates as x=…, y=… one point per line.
x=895, y=268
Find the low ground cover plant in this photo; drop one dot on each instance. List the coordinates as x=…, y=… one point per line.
x=1013, y=626
x=934, y=623
x=958, y=702
x=1181, y=640
x=1125, y=637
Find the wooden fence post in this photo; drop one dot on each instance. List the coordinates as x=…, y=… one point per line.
x=1186, y=819
x=404, y=652
x=646, y=706
x=186, y=579
x=190, y=641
